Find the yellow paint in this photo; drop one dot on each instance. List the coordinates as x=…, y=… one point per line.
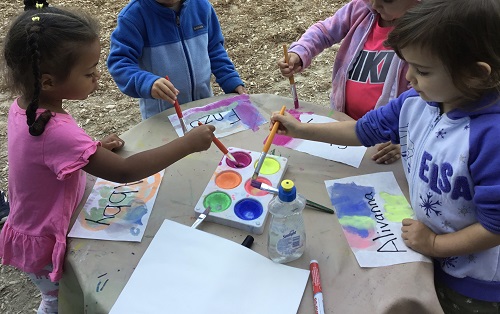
x=359, y=222
x=270, y=166
x=396, y=207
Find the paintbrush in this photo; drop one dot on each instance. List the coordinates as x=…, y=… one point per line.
x=201, y=217
x=270, y=138
x=224, y=150
x=266, y=187
x=179, y=112
x=293, y=88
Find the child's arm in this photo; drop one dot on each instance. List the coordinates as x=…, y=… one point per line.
x=293, y=66
x=240, y=89
x=110, y=166
x=221, y=65
x=387, y=153
x=164, y=89
x=474, y=238
x=326, y=33
x=340, y=133
x=126, y=47
x=112, y=142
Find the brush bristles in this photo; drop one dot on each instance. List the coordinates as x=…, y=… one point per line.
x=255, y=184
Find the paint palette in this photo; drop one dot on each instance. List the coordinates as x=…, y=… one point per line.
x=232, y=199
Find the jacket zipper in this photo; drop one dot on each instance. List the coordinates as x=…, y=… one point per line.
x=420, y=148
x=190, y=67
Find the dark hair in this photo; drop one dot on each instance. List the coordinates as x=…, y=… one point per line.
x=460, y=33
x=41, y=40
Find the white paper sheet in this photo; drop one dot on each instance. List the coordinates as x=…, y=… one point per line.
x=229, y=116
x=116, y=211
x=349, y=155
x=188, y=271
x=370, y=209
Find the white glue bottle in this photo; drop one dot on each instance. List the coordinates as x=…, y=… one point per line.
x=287, y=235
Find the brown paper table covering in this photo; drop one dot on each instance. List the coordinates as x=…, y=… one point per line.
x=96, y=271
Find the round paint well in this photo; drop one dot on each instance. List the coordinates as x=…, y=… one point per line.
x=228, y=179
x=255, y=191
x=269, y=166
x=217, y=201
x=248, y=209
x=242, y=158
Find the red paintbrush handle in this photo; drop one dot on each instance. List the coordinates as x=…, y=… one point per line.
x=219, y=144
x=176, y=104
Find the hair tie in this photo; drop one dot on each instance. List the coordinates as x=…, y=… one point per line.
x=35, y=18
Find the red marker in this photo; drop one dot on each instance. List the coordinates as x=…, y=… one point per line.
x=223, y=148
x=317, y=291
x=179, y=112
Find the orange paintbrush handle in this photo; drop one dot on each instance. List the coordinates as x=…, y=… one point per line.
x=273, y=133
x=285, y=52
x=218, y=143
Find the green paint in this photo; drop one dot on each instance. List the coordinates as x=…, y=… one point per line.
x=270, y=166
x=217, y=201
x=396, y=207
x=359, y=222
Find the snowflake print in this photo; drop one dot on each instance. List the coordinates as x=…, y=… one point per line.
x=462, y=158
x=441, y=133
x=466, y=127
x=428, y=205
x=446, y=224
x=449, y=262
x=463, y=211
x=471, y=258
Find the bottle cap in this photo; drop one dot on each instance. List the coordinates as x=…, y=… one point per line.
x=287, y=191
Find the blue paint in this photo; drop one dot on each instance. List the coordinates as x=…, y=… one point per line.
x=361, y=232
x=349, y=199
x=248, y=209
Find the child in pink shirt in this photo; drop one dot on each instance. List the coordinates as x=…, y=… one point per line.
x=52, y=54
x=365, y=74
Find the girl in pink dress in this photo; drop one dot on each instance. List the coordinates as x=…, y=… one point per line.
x=52, y=54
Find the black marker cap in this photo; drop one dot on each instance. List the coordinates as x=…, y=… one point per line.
x=248, y=241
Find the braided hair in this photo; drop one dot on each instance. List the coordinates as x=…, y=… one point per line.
x=42, y=40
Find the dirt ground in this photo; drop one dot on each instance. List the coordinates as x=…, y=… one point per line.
x=254, y=31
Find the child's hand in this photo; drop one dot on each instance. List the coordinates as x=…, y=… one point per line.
x=387, y=153
x=112, y=142
x=240, y=90
x=293, y=66
x=418, y=236
x=164, y=89
x=200, y=138
x=288, y=124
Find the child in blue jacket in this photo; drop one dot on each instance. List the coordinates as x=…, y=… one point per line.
x=175, y=38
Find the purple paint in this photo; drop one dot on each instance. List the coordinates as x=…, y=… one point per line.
x=281, y=140
x=242, y=158
x=247, y=112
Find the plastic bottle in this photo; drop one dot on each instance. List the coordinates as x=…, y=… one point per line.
x=287, y=235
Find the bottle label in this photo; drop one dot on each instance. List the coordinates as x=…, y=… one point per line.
x=289, y=243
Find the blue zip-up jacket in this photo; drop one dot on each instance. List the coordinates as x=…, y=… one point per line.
x=152, y=41
x=452, y=165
